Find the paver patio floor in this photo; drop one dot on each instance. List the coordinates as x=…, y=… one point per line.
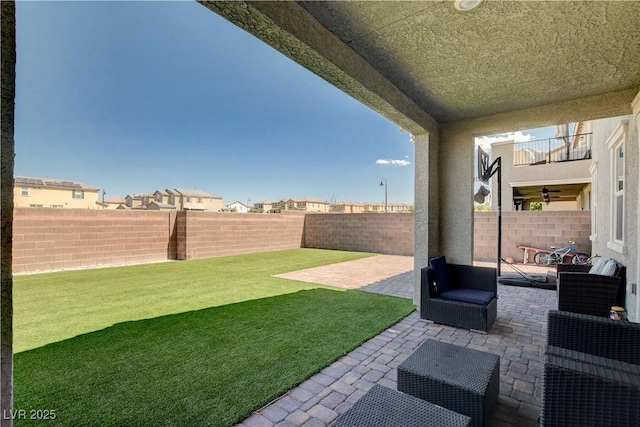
x=518, y=337
x=354, y=274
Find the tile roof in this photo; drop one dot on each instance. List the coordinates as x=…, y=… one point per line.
x=114, y=201
x=196, y=193
x=310, y=200
x=162, y=205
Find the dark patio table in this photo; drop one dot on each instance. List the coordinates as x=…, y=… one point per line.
x=384, y=407
x=464, y=380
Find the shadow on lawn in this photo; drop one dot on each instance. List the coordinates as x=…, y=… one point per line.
x=205, y=367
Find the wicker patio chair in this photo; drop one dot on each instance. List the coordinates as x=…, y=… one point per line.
x=613, y=339
x=469, y=300
x=591, y=373
x=594, y=294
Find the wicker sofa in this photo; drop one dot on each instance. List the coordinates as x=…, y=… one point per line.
x=591, y=373
x=582, y=292
x=459, y=306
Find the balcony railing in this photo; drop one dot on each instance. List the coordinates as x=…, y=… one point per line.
x=552, y=150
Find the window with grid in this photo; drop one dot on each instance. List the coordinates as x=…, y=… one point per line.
x=616, y=145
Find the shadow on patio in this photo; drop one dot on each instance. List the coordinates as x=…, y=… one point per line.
x=518, y=337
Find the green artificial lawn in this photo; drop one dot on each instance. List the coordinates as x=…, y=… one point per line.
x=55, y=306
x=259, y=337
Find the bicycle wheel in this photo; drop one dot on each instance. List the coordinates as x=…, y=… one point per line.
x=541, y=258
x=555, y=258
x=579, y=259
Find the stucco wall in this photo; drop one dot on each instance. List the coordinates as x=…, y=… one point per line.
x=390, y=233
x=549, y=173
x=602, y=130
x=48, y=197
x=530, y=228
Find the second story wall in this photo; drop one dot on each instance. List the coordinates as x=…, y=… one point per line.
x=573, y=172
x=47, y=197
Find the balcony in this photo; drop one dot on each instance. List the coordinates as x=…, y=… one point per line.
x=552, y=150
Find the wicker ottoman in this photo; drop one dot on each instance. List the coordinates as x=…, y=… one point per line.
x=464, y=380
x=384, y=407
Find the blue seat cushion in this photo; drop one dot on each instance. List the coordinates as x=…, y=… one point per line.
x=472, y=296
x=440, y=274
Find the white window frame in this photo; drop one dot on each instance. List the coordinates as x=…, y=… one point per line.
x=24, y=191
x=616, y=141
x=78, y=194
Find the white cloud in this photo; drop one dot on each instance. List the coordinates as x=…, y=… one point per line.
x=393, y=162
x=486, y=141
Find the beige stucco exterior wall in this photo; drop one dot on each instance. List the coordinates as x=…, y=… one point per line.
x=426, y=200
x=630, y=296
x=316, y=207
x=573, y=172
x=210, y=204
x=628, y=255
x=48, y=197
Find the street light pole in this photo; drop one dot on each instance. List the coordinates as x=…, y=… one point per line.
x=383, y=183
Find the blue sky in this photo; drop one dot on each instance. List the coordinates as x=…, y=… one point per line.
x=132, y=97
x=136, y=96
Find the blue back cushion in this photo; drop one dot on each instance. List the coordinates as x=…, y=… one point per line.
x=472, y=296
x=440, y=274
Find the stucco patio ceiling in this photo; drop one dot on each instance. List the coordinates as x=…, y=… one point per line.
x=424, y=62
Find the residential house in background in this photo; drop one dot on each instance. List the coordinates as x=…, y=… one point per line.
x=175, y=198
x=390, y=208
x=54, y=193
x=138, y=201
x=553, y=171
x=305, y=204
x=265, y=205
x=308, y=204
x=163, y=196
x=236, y=206
x=160, y=206
x=347, y=207
x=113, y=203
x=194, y=200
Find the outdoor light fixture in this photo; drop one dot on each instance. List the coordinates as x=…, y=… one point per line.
x=518, y=201
x=465, y=5
x=383, y=183
x=545, y=193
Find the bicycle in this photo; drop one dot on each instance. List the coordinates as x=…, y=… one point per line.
x=558, y=254
x=588, y=261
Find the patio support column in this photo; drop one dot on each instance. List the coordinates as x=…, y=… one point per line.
x=635, y=313
x=457, y=173
x=7, y=105
x=427, y=216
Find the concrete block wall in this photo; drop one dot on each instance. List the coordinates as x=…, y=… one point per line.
x=46, y=239
x=538, y=229
x=387, y=233
x=209, y=234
